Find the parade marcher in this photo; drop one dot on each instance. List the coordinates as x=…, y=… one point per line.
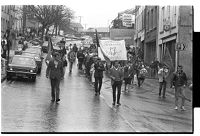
x=92, y=79
x=116, y=75
x=179, y=81
x=75, y=48
x=71, y=59
x=141, y=75
x=80, y=57
x=64, y=60
x=98, y=75
x=128, y=75
x=54, y=71
x=70, y=46
x=162, y=74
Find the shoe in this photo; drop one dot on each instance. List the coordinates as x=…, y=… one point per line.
x=113, y=103
x=57, y=100
x=96, y=93
x=163, y=97
x=176, y=108
x=118, y=103
x=183, y=108
x=52, y=100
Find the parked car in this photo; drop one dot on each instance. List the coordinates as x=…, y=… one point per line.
x=36, y=42
x=35, y=49
x=37, y=58
x=22, y=66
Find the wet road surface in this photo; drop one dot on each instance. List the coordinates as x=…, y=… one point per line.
x=26, y=107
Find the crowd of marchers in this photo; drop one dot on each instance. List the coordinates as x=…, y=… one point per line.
x=132, y=71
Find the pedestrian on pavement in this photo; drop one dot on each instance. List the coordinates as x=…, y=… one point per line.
x=71, y=59
x=54, y=71
x=162, y=74
x=98, y=75
x=117, y=76
x=179, y=81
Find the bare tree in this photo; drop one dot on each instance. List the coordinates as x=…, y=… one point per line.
x=48, y=15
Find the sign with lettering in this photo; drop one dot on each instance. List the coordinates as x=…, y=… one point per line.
x=180, y=46
x=113, y=49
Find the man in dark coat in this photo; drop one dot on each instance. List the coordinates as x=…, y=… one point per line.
x=81, y=58
x=54, y=71
x=179, y=81
x=98, y=75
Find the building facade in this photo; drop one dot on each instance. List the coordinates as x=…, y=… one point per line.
x=140, y=28
x=151, y=17
x=176, y=26
x=7, y=18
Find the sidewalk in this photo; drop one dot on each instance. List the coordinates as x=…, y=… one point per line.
x=3, y=67
x=153, y=85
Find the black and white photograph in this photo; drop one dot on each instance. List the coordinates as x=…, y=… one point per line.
x=97, y=67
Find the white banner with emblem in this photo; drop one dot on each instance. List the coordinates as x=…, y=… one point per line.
x=113, y=49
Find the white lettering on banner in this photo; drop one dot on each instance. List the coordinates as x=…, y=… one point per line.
x=115, y=50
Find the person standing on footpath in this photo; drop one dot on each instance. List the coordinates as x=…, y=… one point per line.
x=179, y=81
x=117, y=76
x=98, y=75
x=54, y=71
x=162, y=74
x=71, y=59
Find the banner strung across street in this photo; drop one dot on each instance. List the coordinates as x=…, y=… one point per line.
x=114, y=50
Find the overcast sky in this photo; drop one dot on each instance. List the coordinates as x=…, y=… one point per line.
x=99, y=13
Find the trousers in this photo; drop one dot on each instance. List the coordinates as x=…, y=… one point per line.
x=98, y=84
x=55, y=89
x=116, y=85
x=179, y=92
x=162, y=85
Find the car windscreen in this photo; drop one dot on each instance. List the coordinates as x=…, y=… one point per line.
x=24, y=61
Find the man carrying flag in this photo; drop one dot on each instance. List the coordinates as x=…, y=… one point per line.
x=116, y=74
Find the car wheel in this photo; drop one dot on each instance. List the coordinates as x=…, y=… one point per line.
x=33, y=78
x=8, y=76
x=39, y=70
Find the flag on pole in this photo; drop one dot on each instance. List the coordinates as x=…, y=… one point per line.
x=50, y=49
x=167, y=60
x=98, y=46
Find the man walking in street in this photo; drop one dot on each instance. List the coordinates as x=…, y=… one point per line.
x=179, y=81
x=116, y=75
x=98, y=75
x=162, y=74
x=81, y=58
x=54, y=71
x=71, y=59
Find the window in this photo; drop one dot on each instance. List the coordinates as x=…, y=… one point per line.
x=155, y=17
x=168, y=12
x=151, y=26
x=148, y=21
x=162, y=17
x=174, y=16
